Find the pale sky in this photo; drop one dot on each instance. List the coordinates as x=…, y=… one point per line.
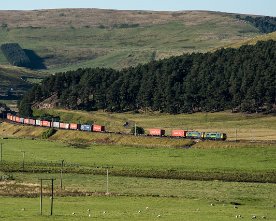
x=257, y=7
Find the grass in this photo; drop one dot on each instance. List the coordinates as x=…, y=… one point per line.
x=127, y=208
x=148, y=161
x=250, y=127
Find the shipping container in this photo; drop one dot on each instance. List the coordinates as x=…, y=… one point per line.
x=38, y=122
x=64, y=125
x=13, y=118
x=9, y=116
x=157, y=132
x=85, y=127
x=194, y=135
x=31, y=121
x=98, y=128
x=56, y=124
x=179, y=133
x=17, y=119
x=74, y=126
x=45, y=123
x=21, y=120
x=26, y=121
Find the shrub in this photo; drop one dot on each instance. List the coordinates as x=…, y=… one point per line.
x=139, y=130
x=48, y=133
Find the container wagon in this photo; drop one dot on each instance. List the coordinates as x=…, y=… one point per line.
x=98, y=128
x=64, y=126
x=86, y=127
x=74, y=126
x=156, y=132
x=45, y=123
x=56, y=124
x=31, y=121
x=26, y=121
x=179, y=133
x=38, y=122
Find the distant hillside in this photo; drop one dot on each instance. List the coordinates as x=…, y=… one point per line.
x=67, y=39
x=241, y=79
x=253, y=41
x=18, y=80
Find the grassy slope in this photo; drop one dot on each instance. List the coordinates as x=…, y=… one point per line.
x=249, y=127
x=72, y=38
x=11, y=78
x=217, y=159
x=252, y=41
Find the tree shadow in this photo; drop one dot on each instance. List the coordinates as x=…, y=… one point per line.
x=37, y=62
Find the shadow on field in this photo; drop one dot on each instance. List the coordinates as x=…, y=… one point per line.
x=36, y=61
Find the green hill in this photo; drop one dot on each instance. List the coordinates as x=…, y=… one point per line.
x=72, y=38
x=17, y=79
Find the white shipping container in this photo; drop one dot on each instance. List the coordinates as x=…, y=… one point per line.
x=56, y=124
x=38, y=122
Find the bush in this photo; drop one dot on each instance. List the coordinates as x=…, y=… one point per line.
x=48, y=133
x=139, y=130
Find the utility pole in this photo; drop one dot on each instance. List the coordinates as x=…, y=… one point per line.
x=107, y=181
x=1, y=152
x=40, y=196
x=61, y=171
x=107, y=178
x=23, y=162
x=52, y=197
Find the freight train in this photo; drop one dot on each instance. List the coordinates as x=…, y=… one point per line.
x=99, y=128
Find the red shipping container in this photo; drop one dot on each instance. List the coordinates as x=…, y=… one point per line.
x=157, y=132
x=64, y=126
x=13, y=118
x=32, y=121
x=98, y=128
x=26, y=121
x=45, y=123
x=179, y=133
x=74, y=126
x=17, y=119
x=9, y=116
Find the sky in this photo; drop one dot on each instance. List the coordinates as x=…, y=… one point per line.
x=257, y=7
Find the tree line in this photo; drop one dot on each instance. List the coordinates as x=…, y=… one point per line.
x=239, y=79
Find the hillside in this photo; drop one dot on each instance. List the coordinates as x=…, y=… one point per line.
x=19, y=79
x=72, y=38
x=253, y=41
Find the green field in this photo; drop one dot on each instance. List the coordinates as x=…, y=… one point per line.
x=127, y=208
x=219, y=159
x=131, y=184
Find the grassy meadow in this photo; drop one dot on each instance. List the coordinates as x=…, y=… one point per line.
x=131, y=208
